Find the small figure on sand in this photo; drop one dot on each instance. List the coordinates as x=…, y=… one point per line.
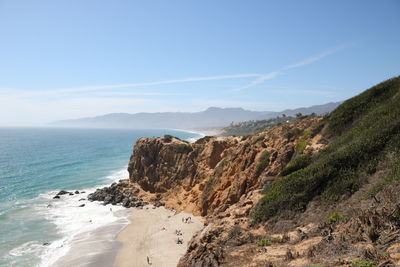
x=179, y=241
x=111, y=209
x=178, y=232
x=187, y=220
x=148, y=260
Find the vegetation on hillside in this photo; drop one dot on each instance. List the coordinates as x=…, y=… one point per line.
x=365, y=131
x=254, y=126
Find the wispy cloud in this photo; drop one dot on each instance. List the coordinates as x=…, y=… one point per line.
x=260, y=80
x=81, y=89
x=299, y=64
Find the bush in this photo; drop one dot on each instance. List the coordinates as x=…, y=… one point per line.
x=263, y=162
x=334, y=218
x=363, y=263
x=301, y=145
x=298, y=163
x=264, y=242
x=292, y=133
x=259, y=139
x=268, y=241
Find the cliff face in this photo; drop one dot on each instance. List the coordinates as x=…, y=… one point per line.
x=208, y=176
x=337, y=208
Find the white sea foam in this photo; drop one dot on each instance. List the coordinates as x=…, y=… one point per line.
x=31, y=247
x=117, y=175
x=72, y=220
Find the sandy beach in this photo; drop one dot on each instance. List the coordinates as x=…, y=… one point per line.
x=152, y=234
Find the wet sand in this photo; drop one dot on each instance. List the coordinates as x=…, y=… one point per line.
x=95, y=249
x=152, y=234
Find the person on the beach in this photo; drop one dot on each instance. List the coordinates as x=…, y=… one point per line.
x=148, y=260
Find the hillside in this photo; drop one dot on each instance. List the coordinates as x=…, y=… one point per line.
x=254, y=126
x=317, y=191
x=211, y=118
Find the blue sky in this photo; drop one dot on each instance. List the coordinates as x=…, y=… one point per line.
x=70, y=59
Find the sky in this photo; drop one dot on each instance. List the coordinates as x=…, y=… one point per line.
x=68, y=59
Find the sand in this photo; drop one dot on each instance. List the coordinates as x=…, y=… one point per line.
x=97, y=248
x=152, y=234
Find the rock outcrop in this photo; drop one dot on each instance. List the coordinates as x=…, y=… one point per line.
x=213, y=173
x=123, y=192
x=220, y=178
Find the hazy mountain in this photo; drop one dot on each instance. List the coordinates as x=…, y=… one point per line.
x=212, y=117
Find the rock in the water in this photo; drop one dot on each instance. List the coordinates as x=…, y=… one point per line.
x=56, y=197
x=46, y=243
x=107, y=199
x=82, y=199
x=116, y=193
x=76, y=192
x=62, y=192
x=82, y=205
x=71, y=194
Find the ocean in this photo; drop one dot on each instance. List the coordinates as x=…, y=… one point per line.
x=35, y=163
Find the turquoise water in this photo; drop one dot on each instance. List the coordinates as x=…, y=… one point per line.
x=37, y=162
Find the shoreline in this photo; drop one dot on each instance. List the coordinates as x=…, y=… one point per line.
x=97, y=248
x=75, y=223
x=152, y=234
x=202, y=133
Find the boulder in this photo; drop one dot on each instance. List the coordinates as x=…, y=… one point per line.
x=62, y=192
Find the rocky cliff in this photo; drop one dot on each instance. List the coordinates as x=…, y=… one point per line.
x=208, y=176
x=312, y=192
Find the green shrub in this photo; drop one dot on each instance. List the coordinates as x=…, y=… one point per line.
x=301, y=145
x=245, y=137
x=292, y=133
x=317, y=129
x=263, y=162
x=268, y=241
x=298, y=163
x=264, y=242
x=341, y=168
x=259, y=139
x=363, y=263
x=335, y=217
x=303, y=141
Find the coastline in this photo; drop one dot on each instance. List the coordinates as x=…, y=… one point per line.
x=202, y=133
x=152, y=234
x=97, y=248
x=110, y=243
x=80, y=227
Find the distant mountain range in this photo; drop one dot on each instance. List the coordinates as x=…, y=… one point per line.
x=211, y=118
